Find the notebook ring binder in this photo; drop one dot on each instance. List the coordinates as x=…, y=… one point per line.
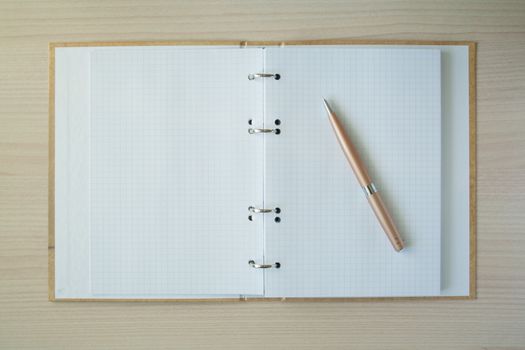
x=264, y=266
x=261, y=210
x=263, y=131
x=263, y=75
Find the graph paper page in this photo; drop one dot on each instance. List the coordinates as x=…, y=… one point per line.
x=173, y=171
x=328, y=240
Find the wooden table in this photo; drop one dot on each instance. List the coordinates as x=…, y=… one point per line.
x=495, y=320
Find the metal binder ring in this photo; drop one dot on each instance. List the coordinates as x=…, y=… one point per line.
x=260, y=130
x=259, y=210
x=263, y=266
x=263, y=75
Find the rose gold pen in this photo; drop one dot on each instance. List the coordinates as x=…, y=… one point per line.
x=364, y=180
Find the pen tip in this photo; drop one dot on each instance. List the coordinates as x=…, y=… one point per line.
x=327, y=106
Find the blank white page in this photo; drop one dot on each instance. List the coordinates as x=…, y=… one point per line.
x=328, y=240
x=173, y=171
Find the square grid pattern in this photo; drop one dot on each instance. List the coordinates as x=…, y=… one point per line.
x=173, y=171
x=329, y=241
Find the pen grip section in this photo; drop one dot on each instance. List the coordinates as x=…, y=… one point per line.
x=382, y=214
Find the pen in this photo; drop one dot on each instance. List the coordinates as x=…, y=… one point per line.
x=377, y=204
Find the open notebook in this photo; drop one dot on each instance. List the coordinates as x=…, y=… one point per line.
x=156, y=169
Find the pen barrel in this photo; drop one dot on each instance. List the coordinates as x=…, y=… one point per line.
x=382, y=214
x=350, y=151
x=375, y=200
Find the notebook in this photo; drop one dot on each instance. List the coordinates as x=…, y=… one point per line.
x=179, y=170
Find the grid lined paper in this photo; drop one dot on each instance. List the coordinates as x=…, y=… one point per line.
x=173, y=171
x=328, y=240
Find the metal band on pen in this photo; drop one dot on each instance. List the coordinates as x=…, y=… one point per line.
x=369, y=189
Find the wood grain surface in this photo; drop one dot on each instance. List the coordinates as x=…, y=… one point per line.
x=495, y=320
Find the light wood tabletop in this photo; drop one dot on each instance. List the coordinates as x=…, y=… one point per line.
x=495, y=320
